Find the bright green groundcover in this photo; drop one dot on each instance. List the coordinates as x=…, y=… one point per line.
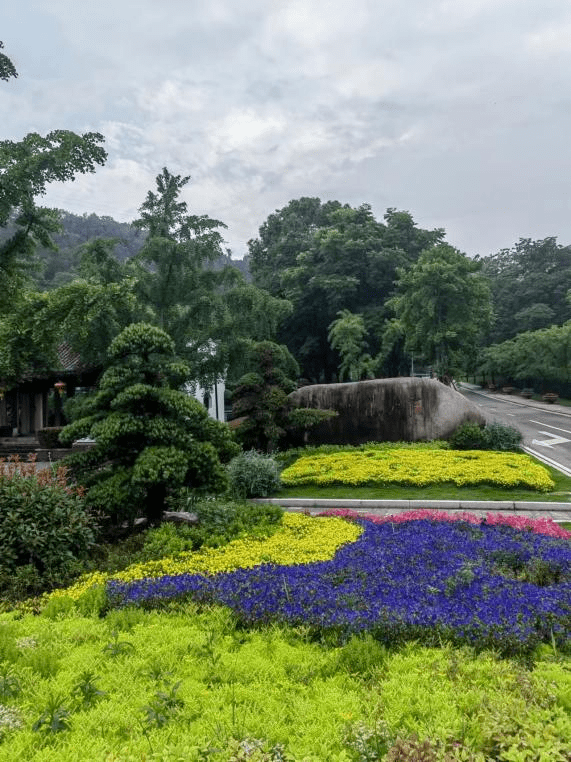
x=422, y=467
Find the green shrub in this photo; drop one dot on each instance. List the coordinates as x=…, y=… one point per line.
x=151, y=437
x=219, y=522
x=469, y=436
x=502, y=437
x=493, y=436
x=253, y=475
x=45, y=530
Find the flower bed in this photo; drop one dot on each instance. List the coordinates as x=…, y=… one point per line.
x=487, y=585
x=299, y=540
x=419, y=468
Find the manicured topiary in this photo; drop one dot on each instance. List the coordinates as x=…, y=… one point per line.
x=151, y=436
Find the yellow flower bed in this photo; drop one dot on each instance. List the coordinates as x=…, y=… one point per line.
x=419, y=468
x=300, y=540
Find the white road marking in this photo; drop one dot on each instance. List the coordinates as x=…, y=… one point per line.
x=512, y=414
x=549, y=442
x=549, y=461
x=550, y=427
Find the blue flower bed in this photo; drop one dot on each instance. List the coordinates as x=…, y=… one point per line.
x=489, y=586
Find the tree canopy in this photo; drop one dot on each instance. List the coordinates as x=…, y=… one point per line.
x=329, y=257
x=529, y=285
x=443, y=306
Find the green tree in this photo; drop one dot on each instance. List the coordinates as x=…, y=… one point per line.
x=26, y=168
x=208, y=312
x=260, y=399
x=529, y=285
x=443, y=305
x=347, y=334
x=324, y=258
x=7, y=68
x=536, y=358
x=151, y=436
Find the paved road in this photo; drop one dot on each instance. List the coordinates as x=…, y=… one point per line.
x=546, y=429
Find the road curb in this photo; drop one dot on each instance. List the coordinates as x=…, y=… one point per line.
x=499, y=506
x=559, y=409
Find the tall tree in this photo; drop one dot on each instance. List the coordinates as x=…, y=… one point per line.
x=529, y=283
x=347, y=334
x=443, y=305
x=26, y=168
x=329, y=257
x=7, y=68
x=207, y=311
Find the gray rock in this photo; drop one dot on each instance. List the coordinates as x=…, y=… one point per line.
x=387, y=409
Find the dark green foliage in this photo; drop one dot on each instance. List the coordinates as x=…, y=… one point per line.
x=502, y=437
x=328, y=257
x=443, y=306
x=493, y=436
x=151, y=437
x=267, y=416
x=253, y=474
x=219, y=522
x=55, y=716
x=469, y=436
x=85, y=690
x=164, y=705
x=10, y=685
x=45, y=529
x=260, y=397
x=529, y=285
x=7, y=68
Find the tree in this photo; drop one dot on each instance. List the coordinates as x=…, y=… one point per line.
x=443, y=305
x=207, y=312
x=26, y=168
x=151, y=436
x=261, y=399
x=347, y=335
x=529, y=284
x=7, y=68
x=329, y=257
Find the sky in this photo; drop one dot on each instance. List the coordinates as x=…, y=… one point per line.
x=458, y=111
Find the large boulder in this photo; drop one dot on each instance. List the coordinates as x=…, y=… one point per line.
x=387, y=409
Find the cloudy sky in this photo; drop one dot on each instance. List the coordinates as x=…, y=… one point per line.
x=458, y=111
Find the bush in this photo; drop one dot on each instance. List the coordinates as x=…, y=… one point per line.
x=502, y=437
x=253, y=475
x=469, y=436
x=493, y=436
x=45, y=530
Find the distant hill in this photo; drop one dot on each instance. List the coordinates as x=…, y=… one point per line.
x=59, y=267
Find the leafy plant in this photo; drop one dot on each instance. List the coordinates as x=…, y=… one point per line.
x=493, y=436
x=85, y=690
x=164, y=705
x=10, y=685
x=45, y=529
x=253, y=474
x=55, y=717
x=118, y=647
x=151, y=436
